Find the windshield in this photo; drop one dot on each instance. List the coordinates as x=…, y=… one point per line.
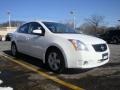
x=58, y=28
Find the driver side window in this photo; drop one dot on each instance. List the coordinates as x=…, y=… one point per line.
x=34, y=26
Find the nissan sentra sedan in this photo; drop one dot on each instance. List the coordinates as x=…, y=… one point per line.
x=59, y=46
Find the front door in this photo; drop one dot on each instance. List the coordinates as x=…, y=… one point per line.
x=35, y=42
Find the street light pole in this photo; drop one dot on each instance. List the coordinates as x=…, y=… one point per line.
x=119, y=24
x=72, y=13
x=9, y=19
x=74, y=21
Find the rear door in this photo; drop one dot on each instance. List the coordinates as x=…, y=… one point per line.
x=22, y=38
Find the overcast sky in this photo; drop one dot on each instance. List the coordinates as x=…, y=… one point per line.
x=59, y=10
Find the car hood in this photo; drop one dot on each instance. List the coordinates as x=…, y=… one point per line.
x=83, y=38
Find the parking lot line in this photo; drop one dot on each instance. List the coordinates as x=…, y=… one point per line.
x=53, y=78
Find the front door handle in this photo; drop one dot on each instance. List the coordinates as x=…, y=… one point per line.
x=27, y=38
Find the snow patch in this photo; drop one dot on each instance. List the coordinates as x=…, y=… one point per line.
x=4, y=88
x=1, y=81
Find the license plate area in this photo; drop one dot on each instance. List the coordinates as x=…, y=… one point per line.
x=104, y=57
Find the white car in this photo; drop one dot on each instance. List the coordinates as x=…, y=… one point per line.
x=59, y=46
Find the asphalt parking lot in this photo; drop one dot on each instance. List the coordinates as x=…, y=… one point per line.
x=106, y=77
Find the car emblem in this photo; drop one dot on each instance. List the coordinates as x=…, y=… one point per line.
x=102, y=48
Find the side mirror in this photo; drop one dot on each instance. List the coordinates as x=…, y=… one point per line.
x=38, y=32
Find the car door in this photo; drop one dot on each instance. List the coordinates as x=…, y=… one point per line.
x=22, y=38
x=35, y=42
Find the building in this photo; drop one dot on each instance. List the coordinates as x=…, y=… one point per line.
x=5, y=30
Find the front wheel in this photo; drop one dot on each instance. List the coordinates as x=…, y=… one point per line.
x=55, y=61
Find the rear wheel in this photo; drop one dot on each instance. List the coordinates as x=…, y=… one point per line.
x=14, y=49
x=55, y=61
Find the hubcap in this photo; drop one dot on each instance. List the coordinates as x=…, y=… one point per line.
x=13, y=50
x=54, y=61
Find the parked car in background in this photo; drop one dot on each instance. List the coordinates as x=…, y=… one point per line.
x=59, y=46
x=8, y=37
x=111, y=36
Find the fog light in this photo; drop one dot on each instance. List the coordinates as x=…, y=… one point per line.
x=85, y=62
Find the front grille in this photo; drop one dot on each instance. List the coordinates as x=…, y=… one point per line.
x=100, y=47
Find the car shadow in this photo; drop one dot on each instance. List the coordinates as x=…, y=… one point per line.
x=28, y=59
x=75, y=71
x=42, y=66
x=111, y=65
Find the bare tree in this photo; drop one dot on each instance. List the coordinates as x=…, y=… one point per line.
x=95, y=22
x=69, y=23
x=87, y=29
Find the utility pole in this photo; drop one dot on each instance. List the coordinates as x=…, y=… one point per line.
x=119, y=24
x=73, y=14
x=9, y=19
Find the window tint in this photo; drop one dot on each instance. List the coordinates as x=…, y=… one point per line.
x=34, y=26
x=24, y=28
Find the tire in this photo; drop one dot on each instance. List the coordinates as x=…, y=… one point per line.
x=14, y=50
x=55, y=61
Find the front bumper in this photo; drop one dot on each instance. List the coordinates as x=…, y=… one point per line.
x=87, y=59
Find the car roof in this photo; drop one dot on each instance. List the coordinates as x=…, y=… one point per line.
x=44, y=21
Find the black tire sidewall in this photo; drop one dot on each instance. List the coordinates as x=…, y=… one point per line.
x=16, y=54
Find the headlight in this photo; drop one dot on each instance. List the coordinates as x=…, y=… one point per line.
x=78, y=45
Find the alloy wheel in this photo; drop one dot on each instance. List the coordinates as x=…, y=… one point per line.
x=55, y=61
